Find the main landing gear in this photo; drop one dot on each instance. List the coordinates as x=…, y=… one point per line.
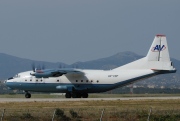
x=68, y=95
x=27, y=95
x=76, y=95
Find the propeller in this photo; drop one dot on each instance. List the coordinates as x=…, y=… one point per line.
x=43, y=67
x=61, y=66
x=33, y=67
x=39, y=67
x=75, y=66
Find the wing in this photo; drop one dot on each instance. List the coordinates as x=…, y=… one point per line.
x=55, y=72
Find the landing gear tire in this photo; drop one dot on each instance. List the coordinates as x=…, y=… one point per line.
x=68, y=95
x=85, y=95
x=78, y=95
x=27, y=95
x=74, y=95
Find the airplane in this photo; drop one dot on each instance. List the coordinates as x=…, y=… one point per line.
x=78, y=83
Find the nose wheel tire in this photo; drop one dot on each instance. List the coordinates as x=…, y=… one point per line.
x=27, y=95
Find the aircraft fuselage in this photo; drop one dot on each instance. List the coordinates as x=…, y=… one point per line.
x=93, y=81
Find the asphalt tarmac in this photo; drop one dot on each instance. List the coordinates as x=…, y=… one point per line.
x=82, y=99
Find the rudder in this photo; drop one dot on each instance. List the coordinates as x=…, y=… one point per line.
x=159, y=49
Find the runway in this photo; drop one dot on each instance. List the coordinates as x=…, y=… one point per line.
x=82, y=99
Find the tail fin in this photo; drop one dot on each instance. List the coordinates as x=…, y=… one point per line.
x=157, y=58
x=159, y=49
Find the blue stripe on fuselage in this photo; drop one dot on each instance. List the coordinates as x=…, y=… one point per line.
x=51, y=87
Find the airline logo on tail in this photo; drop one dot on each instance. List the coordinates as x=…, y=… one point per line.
x=158, y=48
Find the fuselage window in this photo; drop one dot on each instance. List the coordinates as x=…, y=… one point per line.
x=86, y=80
x=37, y=80
x=57, y=80
x=97, y=81
x=81, y=80
x=30, y=79
x=25, y=80
x=76, y=80
x=41, y=79
x=91, y=80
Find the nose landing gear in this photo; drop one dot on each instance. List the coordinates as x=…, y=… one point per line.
x=27, y=95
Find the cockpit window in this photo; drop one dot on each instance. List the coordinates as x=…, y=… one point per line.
x=16, y=76
x=10, y=78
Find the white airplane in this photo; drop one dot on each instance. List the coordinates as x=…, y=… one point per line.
x=77, y=83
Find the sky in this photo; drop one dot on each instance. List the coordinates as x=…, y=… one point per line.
x=82, y=30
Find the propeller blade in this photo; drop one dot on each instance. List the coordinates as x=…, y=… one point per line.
x=39, y=67
x=33, y=67
x=43, y=67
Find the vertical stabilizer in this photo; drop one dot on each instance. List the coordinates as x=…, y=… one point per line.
x=159, y=49
x=157, y=58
